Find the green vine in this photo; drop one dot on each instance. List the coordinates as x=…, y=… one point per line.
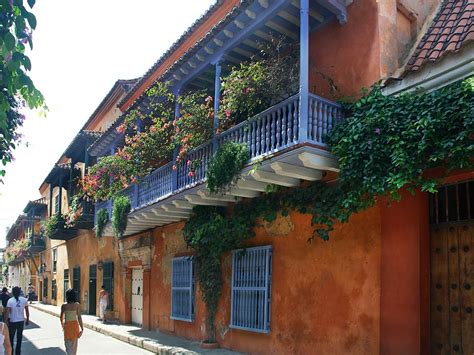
x=385, y=144
x=225, y=165
x=102, y=219
x=120, y=210
x=54, y=223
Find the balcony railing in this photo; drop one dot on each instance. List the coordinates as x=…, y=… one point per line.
x=267, y=133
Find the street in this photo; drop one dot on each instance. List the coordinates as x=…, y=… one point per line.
x=44, y=336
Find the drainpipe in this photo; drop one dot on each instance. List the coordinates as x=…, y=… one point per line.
x=304, y=71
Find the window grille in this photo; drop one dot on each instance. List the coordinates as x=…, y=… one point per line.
x=56, y=204
x=182, y=289
x=76, y=282
x=452, y=203
x=45, y=287
x=53, y=289
x=66, y=283
x=55, y=259
x=108, y=281
x=251, y=289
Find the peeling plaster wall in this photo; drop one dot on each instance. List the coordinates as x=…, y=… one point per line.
x=325, y=295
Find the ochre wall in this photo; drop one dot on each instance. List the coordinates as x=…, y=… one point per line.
x=325, y=295
x=344, y=59
x=86, y=250
x=404, y=309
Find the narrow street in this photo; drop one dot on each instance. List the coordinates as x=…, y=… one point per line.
x=44, y=336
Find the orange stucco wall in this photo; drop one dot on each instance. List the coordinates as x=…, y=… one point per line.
x=325, y=295
x=344, y=59
x=82, y=251
x=405, y=275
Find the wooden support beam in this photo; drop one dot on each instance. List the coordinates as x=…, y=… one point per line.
x=297, y=172
x=273, y=178
x=235, y=191
x=182, y=204
x=251, y=185
x=216, y=197
x=198, y=200
x=318, y=162
x=174, y=209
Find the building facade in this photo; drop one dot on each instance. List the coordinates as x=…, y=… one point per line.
x=370, y=288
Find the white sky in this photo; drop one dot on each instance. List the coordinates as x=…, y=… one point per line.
x=80, y=49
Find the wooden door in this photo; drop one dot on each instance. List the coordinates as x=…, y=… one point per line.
x=452, y=288
x=137, y=296
x=92, y=289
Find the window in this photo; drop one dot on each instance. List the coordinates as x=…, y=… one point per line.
x=251, y=289
x=53, y=289
x=76, y=282
x=56, y=204
x=45, y=287
x=66, y=283
x=182, y=289
x=108, y=281
x=55, y=259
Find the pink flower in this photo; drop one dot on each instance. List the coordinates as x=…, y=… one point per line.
x=191, y=174
x=228, y=113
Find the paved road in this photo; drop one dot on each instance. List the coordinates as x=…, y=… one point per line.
x=44, y=336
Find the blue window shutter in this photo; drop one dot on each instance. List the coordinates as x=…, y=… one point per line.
x=182, y=289
x=251, y=289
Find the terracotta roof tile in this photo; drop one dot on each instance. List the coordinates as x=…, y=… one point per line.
x=452, y=28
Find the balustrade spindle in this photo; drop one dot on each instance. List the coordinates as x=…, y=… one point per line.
x=283, y=126
x=253, y=144
x=325, y=120
x=320, y=121
x=290, y=123
x=257, y=137
x=296, y=117
x=330, y=118
x=268, y=129
x=272, y=141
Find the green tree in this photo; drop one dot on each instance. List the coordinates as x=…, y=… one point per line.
x=17, y=90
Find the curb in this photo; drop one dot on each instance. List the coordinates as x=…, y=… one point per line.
x=139, y=342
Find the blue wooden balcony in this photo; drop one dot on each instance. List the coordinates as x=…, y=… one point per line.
x=287, y=146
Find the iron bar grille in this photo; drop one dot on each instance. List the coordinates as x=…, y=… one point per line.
x=108, y=281
x=182, y=289
x=452, y=203
x=45, y=287
x=53, y=289
x=251, y=289
x=76, y=282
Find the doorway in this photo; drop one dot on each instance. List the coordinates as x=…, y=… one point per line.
x=452, y=269
x=137, y=296
x=92, y=289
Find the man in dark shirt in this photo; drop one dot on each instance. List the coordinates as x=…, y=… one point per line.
x=4, y=297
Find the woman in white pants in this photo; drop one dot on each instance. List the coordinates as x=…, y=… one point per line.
x=103, y=302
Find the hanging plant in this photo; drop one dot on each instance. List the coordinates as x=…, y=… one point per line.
x=54, y=223
x=102, y=219
x=225, y=165
x=120, y=211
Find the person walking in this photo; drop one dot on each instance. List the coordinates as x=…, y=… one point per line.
x=71, y=321
x=17, y=307
x=4, y=297
x=31, y=293
x=103, y=302
x=5, y=346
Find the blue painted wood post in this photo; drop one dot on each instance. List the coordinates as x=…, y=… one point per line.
x=51, y=188
x=60, y=190
x=217, y=97
x=304, y=71
x=174, y=172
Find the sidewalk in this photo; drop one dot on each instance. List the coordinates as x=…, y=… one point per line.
x=154, y=341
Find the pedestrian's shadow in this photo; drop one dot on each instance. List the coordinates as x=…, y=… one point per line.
x=32, y=325
x=50, y=351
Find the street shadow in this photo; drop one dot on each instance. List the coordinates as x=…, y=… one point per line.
x=32, y=325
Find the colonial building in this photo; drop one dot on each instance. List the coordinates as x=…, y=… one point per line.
x=374, y=286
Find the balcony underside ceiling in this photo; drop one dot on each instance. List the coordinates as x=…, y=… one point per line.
x=289, y=169
x=241, y=36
